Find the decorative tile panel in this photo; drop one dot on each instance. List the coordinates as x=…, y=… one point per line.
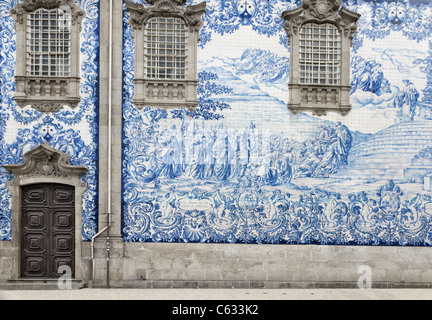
x=73, y=131
x=242, y=169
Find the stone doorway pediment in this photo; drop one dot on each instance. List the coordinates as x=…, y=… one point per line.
x=44, y=164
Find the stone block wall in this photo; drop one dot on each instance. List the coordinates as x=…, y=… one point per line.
x=163, y=265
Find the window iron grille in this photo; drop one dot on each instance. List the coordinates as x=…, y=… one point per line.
x=166, y=41
x=49, y=43
x=320, y=54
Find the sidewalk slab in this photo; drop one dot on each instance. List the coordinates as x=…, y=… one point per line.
x=218, y=294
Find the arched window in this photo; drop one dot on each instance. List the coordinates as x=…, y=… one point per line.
x=47, y=70
x=320, y=34
x=49, y=43
x=166, y=40
x=166, y=45
x=320, y=54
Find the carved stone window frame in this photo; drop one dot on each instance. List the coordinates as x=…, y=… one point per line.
x=320, y=98
x=45, y=164
x=46, y=93
x=166, y=93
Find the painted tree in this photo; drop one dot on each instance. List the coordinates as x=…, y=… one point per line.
x=208, y=107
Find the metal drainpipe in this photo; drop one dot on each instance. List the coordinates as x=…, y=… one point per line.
x=110, y=60
x=92, y=255
x=107, y=227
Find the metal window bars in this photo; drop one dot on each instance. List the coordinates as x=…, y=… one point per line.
x=320, y=54
x=49, y=43
x=166, y=41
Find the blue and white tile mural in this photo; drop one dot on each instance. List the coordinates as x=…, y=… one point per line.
x=73, y=131
x=242, y=169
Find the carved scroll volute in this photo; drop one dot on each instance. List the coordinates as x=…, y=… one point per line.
x=27, y=6
x=193, y=16
x=140, y=14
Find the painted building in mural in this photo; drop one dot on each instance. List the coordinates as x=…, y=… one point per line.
x=239, y=175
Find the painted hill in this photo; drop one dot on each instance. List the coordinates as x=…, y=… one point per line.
x=387, y=153
x=250, y=103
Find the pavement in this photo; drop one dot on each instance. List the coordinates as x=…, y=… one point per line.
x=218, y=294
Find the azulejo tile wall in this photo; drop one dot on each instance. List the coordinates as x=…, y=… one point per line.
x=242, y=169
x=74, y=132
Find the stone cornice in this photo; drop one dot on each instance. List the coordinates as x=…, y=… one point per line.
x=140, y=14
x=27, y=6
x=321, y=11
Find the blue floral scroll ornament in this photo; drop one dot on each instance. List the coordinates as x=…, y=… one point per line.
x=227, y=16
x=58, y=129
x=249, y=215
x=379, y=18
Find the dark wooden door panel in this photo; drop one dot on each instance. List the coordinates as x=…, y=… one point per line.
x=35, y=243
x=57, y=261
x=36, y=196
x=34, y=218
x=62, y=244
x=48, y=229
x=34, y=266
x=62, y=196
x=62, y=219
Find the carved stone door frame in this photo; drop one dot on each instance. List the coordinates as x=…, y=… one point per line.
x=45, y=164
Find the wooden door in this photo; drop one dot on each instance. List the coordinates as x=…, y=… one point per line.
x=48, y=230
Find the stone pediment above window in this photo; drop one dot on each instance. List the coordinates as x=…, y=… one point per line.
x=166, y=39
x=321, y=11
x=21, y=9
x=47, y=54
x=320, y=33
x=192, y=14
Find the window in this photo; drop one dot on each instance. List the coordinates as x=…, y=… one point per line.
x=166, y=48
x=320, y=34
x=320, y=54
x=49, y=43
x=166, y=39
x=47, y=57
